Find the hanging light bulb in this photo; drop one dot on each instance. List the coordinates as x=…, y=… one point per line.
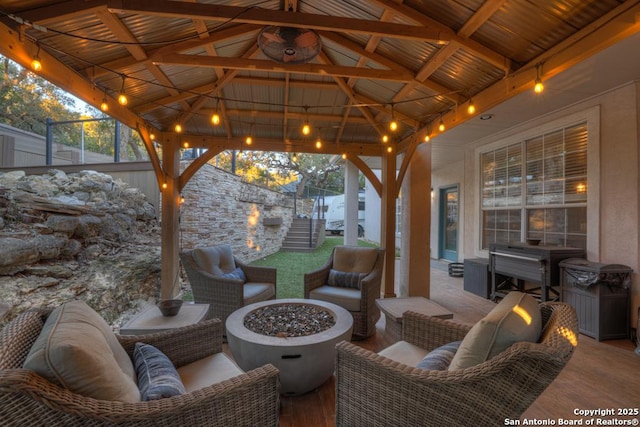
x=344, y=156
x=318, y=144
x=385, y=138
x=427, y=138
x=122, y=98
x=36, y=65
x=389, y=149
x=393, y=124
x=215, y=117
x=471, y=108
x=181, y=199
x=152, y=136
x=164, y=185
x=249, y=139
x=178, y=128
x=185, y=144
x=441, y=126
x=538, y=87
x=104, y=106
x=306, y=128
x=294, y=158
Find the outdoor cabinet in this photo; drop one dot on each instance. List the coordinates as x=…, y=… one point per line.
x=600, y=295
x=477, y=278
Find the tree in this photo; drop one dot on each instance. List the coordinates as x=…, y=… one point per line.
x=26, y=101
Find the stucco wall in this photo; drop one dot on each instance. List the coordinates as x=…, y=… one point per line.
x=220, y=208
x=616, y=222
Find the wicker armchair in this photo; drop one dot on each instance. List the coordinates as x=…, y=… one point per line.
x=27, y=399
x=372, y=390
x=360, y=303
x=205, y=268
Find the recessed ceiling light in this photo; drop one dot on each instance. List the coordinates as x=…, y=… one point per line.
x=486, y=117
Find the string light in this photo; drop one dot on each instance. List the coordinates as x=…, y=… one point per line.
x=122, y=98
x=152, y=136
x=215, y=118
x=36, y=65
x=471, y=108
x=249, y=139
x=389, y=149
x=393, y=125
x=178, y=128
x=344, y=156
x=185, y=144
x=538, y=87
x=181, y=199
x=427, y=138
x=164, y=185
x=318, y=144
x=104, y=106
x=385, y=138
x=306, y=128
x=441, y=126
x=294, y=158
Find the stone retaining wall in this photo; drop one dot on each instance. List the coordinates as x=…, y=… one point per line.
x=220, y=208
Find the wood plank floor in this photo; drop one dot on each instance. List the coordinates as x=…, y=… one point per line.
x=599, y=375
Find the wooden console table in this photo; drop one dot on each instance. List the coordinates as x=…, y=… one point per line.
x=394, y=308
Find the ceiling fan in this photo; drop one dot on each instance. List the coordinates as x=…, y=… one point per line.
x=288, y=45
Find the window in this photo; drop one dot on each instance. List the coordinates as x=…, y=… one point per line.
x=537, y=188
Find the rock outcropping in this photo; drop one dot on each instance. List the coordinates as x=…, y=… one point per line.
x=69, y=236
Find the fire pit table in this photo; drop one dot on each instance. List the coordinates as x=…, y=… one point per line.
x=298, y=336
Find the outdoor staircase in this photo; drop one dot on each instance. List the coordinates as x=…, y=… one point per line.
x=304, y=235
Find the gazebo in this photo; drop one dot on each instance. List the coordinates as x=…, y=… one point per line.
x=377, y=81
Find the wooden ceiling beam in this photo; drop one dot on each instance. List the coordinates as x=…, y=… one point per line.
x=260, y=16
x=489, y=55
x=60, y=11
x=275, y=145
x=292, y=115
x=214, y=37
x=270, y=66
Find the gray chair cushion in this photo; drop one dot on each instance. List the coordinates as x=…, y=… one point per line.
x=216, y=260
x=344, y=279
x=235, y=274
x=349, y=299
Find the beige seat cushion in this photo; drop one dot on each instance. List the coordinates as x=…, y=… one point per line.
x=404, y=352
x=205, y=372
x=347, y=298
x=354, y=259
x=256, y=292
x=216, y=260
x=516, y=318
x=78, y=350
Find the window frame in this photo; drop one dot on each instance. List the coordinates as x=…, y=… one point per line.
x=533, y=129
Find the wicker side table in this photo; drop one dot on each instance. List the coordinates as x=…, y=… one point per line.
x=394, y=308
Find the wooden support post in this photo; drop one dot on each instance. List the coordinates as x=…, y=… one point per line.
x=416, y=225
x=388, y=223
x=170, y=219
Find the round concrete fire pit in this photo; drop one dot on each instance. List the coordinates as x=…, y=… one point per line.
x=306, y=361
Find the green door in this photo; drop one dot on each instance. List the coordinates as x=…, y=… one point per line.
x=449, y=223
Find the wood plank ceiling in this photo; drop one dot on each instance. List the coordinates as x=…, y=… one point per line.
x=418, y=62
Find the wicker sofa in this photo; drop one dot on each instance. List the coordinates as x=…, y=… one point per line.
x=374, y=390
x=243, y=399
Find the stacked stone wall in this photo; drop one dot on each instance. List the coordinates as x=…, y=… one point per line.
x=220, y=208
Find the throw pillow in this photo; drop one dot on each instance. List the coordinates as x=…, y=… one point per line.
x=343, y=279
x=439, y=358
x=516, y=318
x=78, y=350
x=235, y=274
x=157, y=377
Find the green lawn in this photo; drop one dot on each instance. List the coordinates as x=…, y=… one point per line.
x=292, y=266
